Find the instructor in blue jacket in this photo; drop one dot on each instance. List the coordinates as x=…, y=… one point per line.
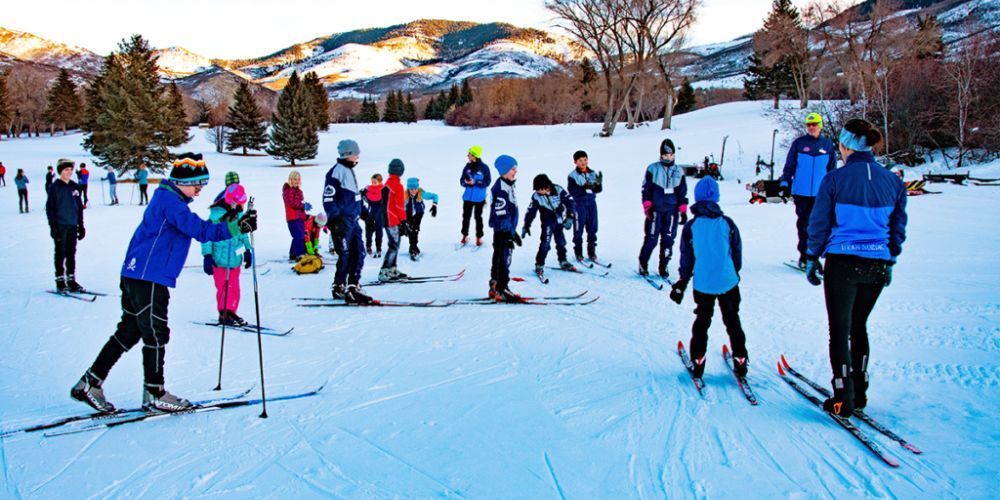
x=809, y=159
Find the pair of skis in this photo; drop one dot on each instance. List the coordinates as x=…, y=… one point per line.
x=248, y=328
x=591, y=263
x=83, y=295
x=787, y=373
x=419, y=279
x=656, y=282
x=545, y=281
x=473, y=246
x=562, y=300
x=727, y=356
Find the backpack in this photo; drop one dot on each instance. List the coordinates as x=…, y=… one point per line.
x=309, y=264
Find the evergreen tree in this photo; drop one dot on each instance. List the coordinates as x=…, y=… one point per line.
x=465, y=97
x=430, y=110
x=177, y=120
x=391, y=114
x=320, y=100
x=411, y=110
x=453, y=95
x=245, y=120
x=129, y=117
x=780, y=53
x=4, y=105
x=685, y=98
x=369, y=111
x=293, y=130
x=64, y=108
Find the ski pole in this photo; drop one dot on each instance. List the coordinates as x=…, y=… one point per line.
x=256, y=305
x=773, y=136
x=132, y=196
x=222, y=344
x=102, y=192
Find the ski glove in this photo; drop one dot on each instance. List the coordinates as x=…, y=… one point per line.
x=888, y=275
x=208, y=265
x=525, y=232
x=307, y=206
x=338, y=228
x=814, y=271
x=80, y=232
x=434, y=210
x=783, y=190
x=677, y=291
x=568, y=223
x=684, y=218
x=515, y=239
x=247, y=259
x=404, y=228
x=246, y=224
x=647, y=208
x=600, y=179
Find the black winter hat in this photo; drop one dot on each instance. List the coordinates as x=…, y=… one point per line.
x=396, y=166
x=579, y=154
x=667, y=147
x=189, y=170
x=541, y=182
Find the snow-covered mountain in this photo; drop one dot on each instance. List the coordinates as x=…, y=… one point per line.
x=31, y=48
x=176, y=62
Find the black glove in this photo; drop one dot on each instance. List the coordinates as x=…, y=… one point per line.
x=684, y=218
x=568, y=223
x=525, y=232
x=784, y=190
x=247, y=259
x=814, y=271
x=404, y=228
x=888, y=275
x=208, y=265
x=434, y=210
x=677, y=291
x=54, y=232
x=515, y=239
x=230, y=215
x=338, y=228
x=248, y=223
x=80, y=232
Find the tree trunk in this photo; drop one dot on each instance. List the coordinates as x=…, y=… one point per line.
x=668, y=111
x=776, y=97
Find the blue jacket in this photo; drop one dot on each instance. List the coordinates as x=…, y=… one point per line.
x=417, y=205
x=374, y=209
x=664, y=186
x=583, y=187
x=711, y=250
x=808, y=161
x=64, y=207
x=503, y=209
x=21, y=182
x=554, y=207
x=160, y=244
x=142, y=176
x=111, y=177
x=480, y=175
x=860, y=210
x=227, y=253
x=341, y=196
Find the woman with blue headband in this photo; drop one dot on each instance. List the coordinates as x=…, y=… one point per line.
x=858, y=224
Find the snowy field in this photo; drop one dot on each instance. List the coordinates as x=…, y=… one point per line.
x=506, y=401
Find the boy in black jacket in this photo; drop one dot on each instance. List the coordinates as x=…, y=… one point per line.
x=64, y=209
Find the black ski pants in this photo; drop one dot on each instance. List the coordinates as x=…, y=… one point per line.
x=414, y=235
x=503, y=250
x=144, y=317
x=65, y=256
x=729, y=305
x=852, y=285
x=468, y=207
x=803, y=210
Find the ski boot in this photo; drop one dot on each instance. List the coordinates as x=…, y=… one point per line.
x=566, y=266
x=508, y=296
x=664, y=272
x=385, y=275
x=378, y=254
x=464, y=241
x=643, y=270
x=397, y=275
x=540, y=270
x=73, y=286
x=414, y=255
x=740, y=366
x=356, y=296
x=842, y=402
x=368, y=251
x=339, y=292
x=699, y=367
x=156, y=398
x=88, y=390
x=860, y=389
x=579, y=257
x=479, y=242
x=61, y=284
x=493, y=289
x=235, y=320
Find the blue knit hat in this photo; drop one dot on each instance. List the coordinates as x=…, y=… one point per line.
x=504, y=163
x=707, y=190
x=348, y=148
x=412, y=183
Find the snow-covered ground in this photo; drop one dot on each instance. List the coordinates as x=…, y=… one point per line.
x=507, y=401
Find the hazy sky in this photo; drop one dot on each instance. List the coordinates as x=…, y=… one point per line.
x=251, y=28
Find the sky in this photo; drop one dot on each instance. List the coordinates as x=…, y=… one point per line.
x=232, y=29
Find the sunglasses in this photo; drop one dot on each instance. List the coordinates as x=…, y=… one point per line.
x=813, y=125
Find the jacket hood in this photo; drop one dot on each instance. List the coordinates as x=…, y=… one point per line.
x=708, y=209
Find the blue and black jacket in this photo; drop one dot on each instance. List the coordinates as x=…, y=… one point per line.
x=809, y=160
x=504, y=213
x=664, y=186
x=480, y=175
x=554, y=208
x=341, y=197
x=64, y=207
x=583, y=186
x=416, y=205
x=711, y=250
x=860, y=210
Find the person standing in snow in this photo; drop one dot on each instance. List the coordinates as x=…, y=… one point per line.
x=222, y=259
x=503, y=220
x=3, y=174
x=21, y=182
x=664, y=199
x=50, y=177
x=416, y=206
x=153, y=261
x=83, y=178
x=712, y=253
x=476, y=180
x=112, y=185
x=373, y=213
x=556, y=208
x=583, y=185
x=395, y=220
x=295, y=214
x=64, y=210
x=342, y=204
x=859, y=225
x=142, y=176
x=809, y=159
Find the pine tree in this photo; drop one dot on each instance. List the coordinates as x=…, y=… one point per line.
x=780, y=55
x=369, y=111
x=391, y=114
x=685, y=98
x=293, y=130
x=4, y=105
x=204, y=112
x=245, y=120
x=453, y=95
x=129, y=118
x=465, y=97
x=411, y=110
x=177, y=120
x=320, y=100
x=430, y=111
x=64, y=108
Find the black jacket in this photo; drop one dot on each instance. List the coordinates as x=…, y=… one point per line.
x=64, y=206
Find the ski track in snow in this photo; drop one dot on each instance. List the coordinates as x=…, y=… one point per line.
x=510, y=401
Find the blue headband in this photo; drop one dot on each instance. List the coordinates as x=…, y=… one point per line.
x=853, y=142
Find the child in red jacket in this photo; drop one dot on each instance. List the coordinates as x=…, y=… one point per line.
x=395, y=215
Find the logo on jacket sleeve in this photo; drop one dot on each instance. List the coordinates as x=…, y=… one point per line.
x=131, y=265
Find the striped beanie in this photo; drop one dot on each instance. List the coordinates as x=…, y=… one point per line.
x=189, y=170
x=232, y=178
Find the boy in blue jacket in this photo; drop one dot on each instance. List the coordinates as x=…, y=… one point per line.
x=664, y=199
x=153, y=261
x=503, y=219
x=712, y=252
x=556, y=208
x=112, y=185
x=416, y=200
x=810, y=158
x=584, y=184
x=476, y=180
x=342, y=204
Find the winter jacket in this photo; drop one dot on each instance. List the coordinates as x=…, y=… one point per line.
x=341, y=197
x=503, y=207
x=227, y=254
x=160, y=244
x=809, y=159
x=312, y=231
x=84, y=176
x=554, y=208
x=3, y=170
x=21, y=182
x=143, y=177
x=711, y=250
x=415, y=205
x=371, y=203
x=50, y=177
x=664, y=186
x=395, y=206
x=111, y=178
x=294, y=206
x=479, y=173
x=64, y=206
x=583, y=186
x=860, y=210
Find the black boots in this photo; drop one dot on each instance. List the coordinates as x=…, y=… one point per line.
x=842, y=402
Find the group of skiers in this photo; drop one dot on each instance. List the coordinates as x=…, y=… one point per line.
x=82, y=181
